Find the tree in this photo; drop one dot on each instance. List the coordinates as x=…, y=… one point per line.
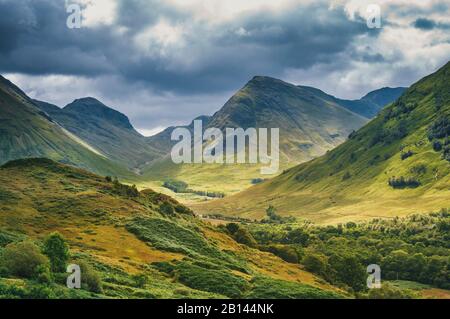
x=314, y=263
x=243, y=236
x=232, y=228
x=272, y=214
x=90, y=280
x=166, y=209
x=23, y=260
x=56, y=249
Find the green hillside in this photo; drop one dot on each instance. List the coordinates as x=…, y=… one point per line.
x=107, y=130
x=27, y=131
x=131, y=244
x=397, y=164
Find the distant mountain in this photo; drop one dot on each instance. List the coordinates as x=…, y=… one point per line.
x=372, y=103
x=27, y=131
x=310, y=124
x=399, y=163
x=106, y=129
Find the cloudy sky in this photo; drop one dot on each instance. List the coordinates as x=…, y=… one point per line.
x=165, y=62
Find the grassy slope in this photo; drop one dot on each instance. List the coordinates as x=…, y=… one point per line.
x=25, y=131
x=126, y=235
x=310, y=124
x=317, y=190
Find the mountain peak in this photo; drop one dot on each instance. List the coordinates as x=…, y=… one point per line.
x=91, y=107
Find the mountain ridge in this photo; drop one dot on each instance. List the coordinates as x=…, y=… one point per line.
x=396, y=164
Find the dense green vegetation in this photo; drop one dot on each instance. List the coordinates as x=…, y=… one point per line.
x=414, y=248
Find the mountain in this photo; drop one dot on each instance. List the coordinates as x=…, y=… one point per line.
x=396, y=164
x=106, y=129
x=372, y=103
x=310, y=124
x=27, y=131
x=135, y=244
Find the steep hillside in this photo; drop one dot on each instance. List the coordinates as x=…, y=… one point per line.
x=142, y=244
x=310, y=124
x=106, y=129
x=397, y=164
x=27, y=131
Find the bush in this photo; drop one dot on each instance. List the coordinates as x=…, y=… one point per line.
x=388, y=291
x=346, y=176
x=440, y=128
x=57, y=251
x=403, y=182
x=243, y=236
x=232, y=228
x=140, y=280
x=286, y=253
x=314, y=263
x=167, y=209
x=23, y=260
x=437, y=146
x=405, y=155
x=90, y=280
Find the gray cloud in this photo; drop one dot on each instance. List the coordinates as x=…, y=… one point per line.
x=167, y=77
x=41, y=44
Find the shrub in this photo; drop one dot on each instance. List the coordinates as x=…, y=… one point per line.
x=140, y=280
x=440, y=128
x=405, y=155
x=57, y=251
x=90, y=280
x=232, y=228
x=286, y=253
x=314, y=263
x=346, y=176
x=166, y=209
x=243, y=236
x=437, y=146
x=403, y=182
x=388, y=291
x=23, y=260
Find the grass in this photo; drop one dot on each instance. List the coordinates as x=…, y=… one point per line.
x=121, y=236
x=267, y=288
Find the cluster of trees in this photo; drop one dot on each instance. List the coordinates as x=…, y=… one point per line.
x=402, y=182
x=274, y=218
x=122, y=189
x=413, y=248
x=440, y=128
x=399, y=108
x=182, y=187
x=45, y=264
x=388, y=135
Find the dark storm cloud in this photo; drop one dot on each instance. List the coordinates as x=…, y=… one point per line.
x=35, y=40
x=427, y=24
